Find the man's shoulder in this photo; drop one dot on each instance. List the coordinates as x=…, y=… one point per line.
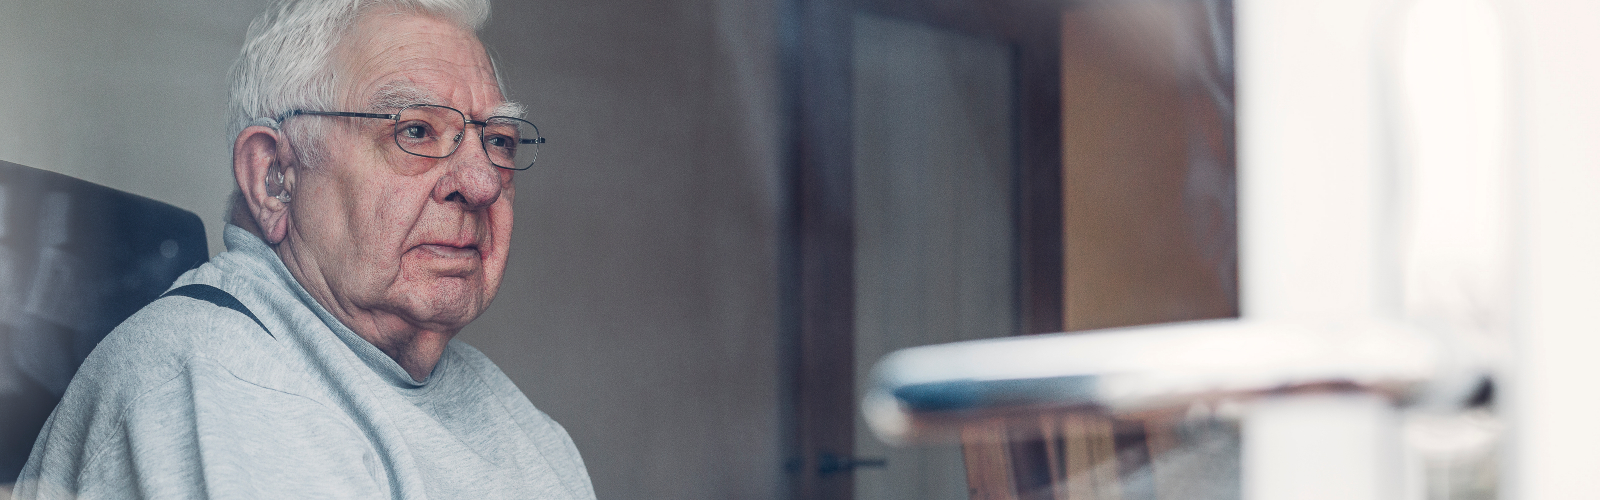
x=173, y=359
x=180, y=375
x=168, y=334
x=470, y=360
x=506, y=392
x=161, y=341
x=471, y=356
x=473, y=361
x=550, y=437
x=166, y=337
x=174, y=328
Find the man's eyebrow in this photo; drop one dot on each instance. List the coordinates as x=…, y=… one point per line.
x=511, y=109
x=399, y=94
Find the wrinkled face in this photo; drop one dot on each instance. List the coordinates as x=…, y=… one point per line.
x=382, y=233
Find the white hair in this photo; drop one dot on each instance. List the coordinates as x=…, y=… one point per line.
x=287, y=60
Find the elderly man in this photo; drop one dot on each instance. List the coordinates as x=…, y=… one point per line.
x=374, y=156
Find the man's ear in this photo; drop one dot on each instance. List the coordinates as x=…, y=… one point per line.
x=257, y=163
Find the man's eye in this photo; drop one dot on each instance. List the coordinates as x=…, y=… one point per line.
x=414, y=131
x=499, y=141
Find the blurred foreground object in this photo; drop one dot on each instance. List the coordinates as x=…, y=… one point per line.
x=1416, y=229
x=925, y=392
x=1118, y=409
x=76, y=259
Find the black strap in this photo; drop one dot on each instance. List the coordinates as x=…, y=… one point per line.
x=216, y=296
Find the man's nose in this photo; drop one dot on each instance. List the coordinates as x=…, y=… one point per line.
x=471, y=179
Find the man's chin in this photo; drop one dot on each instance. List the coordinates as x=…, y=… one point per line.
x=448, y=305
x=448, y=322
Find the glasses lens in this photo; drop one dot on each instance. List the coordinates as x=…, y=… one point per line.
x=431, y=131
x=511, y=143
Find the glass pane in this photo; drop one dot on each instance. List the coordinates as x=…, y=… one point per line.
x=935, y=255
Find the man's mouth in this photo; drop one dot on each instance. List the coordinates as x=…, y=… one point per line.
x=448, y=251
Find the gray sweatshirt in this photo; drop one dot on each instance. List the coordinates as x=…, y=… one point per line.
x=187, y=399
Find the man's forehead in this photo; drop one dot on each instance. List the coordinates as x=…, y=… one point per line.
x=406, y=59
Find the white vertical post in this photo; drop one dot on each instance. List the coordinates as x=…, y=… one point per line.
x=1311, y=242
x=1333, y=447
x=1309, y=151
x=1554, y=401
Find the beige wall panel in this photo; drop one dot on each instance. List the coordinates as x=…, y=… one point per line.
x=1134, y=254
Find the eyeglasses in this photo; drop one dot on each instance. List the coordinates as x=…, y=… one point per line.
x=432, y=131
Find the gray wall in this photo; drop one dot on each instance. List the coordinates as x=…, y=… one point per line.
x=123, y=93
x=639, y=309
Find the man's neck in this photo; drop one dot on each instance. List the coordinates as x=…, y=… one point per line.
x=415, y=348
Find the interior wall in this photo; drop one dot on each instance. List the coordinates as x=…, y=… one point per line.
x=1148, y=196
x=639, y=308
x=125, y=93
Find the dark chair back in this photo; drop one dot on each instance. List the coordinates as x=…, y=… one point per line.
x=76, y=259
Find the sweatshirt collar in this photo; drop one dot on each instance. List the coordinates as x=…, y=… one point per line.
x=239, y=240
